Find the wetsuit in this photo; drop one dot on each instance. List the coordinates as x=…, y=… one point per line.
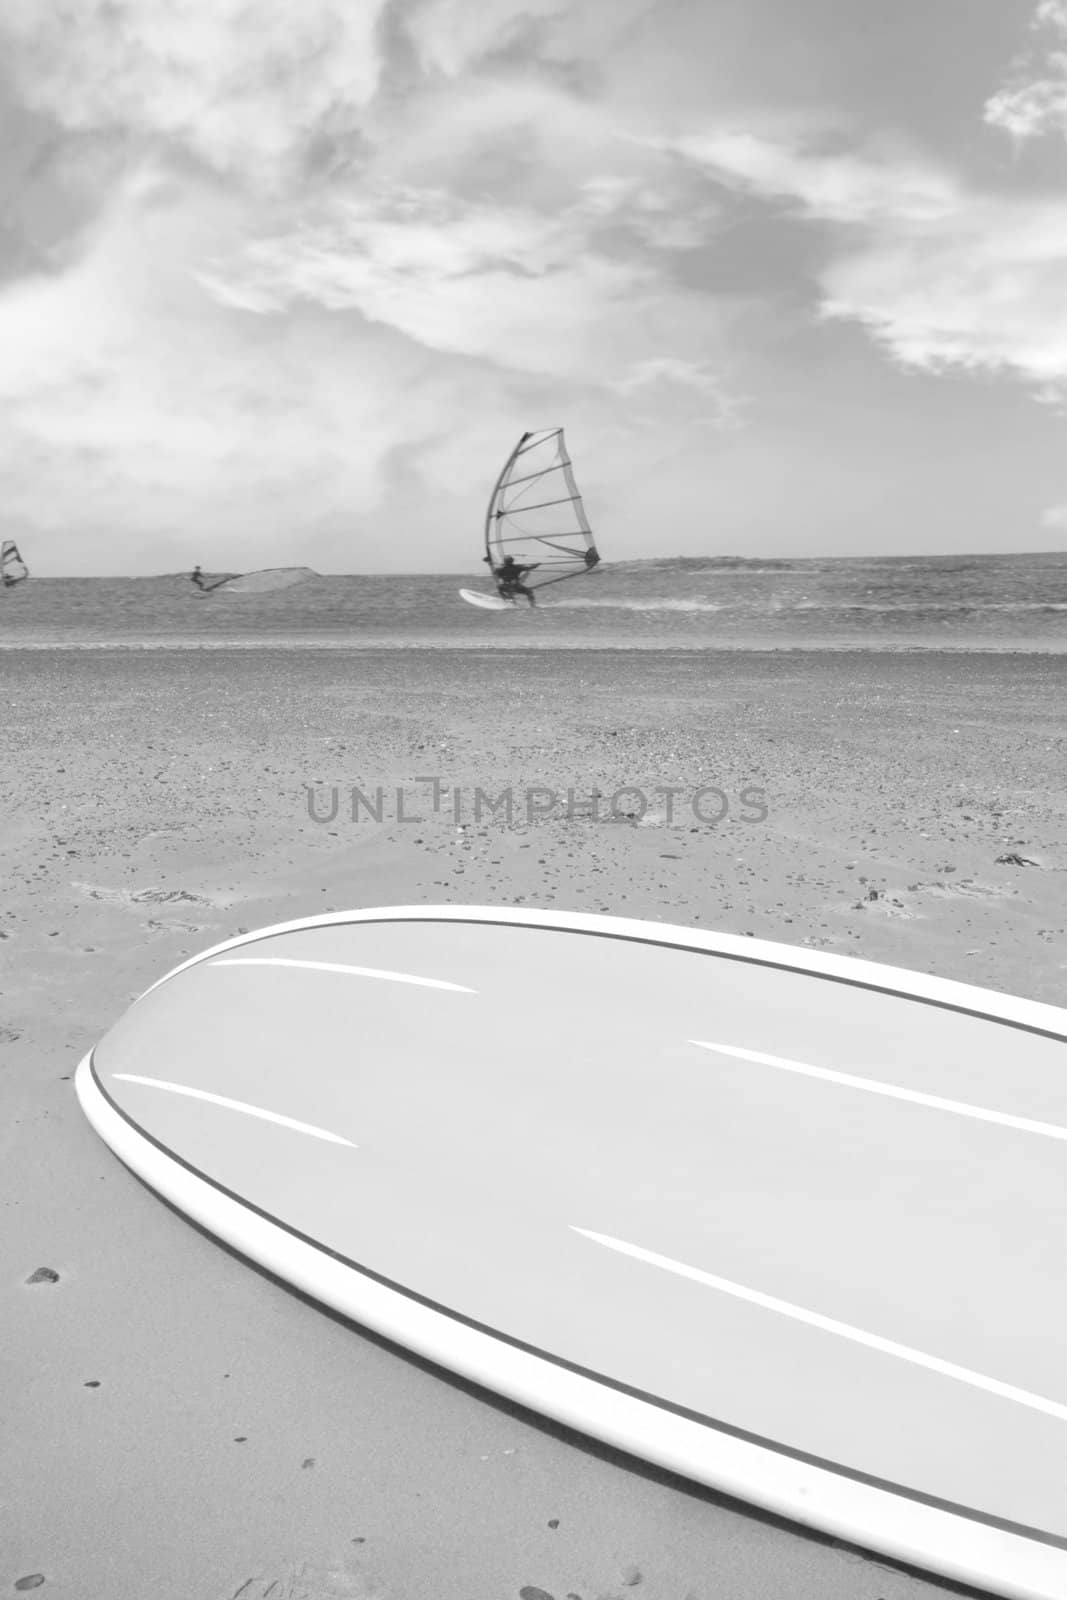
x=509, y=578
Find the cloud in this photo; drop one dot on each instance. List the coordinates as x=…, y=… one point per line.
x=292, y=276
x=279, y=275
x=501, y=219
x=247, y=87
x=850, y=188
x=174, y=419
x=514, y=286
x=986, y=292
x=1035, y=102
x=301, y=279
x=943, y=277
x=452, y=36
x=159, y=420
x=692, y=397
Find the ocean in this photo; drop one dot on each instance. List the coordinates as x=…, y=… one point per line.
x=977, y=602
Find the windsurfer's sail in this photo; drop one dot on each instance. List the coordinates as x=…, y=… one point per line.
x=536, y=513
x=12, y=567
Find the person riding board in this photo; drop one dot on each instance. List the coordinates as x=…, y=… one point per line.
x=509, y=576
x=197, y=577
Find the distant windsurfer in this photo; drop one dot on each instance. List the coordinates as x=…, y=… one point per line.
x=197, y=577
x=509, y=576
x=13, y=569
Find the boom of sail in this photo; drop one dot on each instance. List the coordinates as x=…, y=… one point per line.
x=536, y=514
x=12, y=567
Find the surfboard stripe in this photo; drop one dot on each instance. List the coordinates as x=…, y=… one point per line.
x=340, y=966
x=814, y=1319
x=237, y=1105
x=1050, y=1130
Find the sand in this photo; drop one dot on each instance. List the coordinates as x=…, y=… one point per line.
x=181, y=1428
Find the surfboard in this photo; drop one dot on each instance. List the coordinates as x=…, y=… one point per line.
x=489, y=602
x=786, y=1223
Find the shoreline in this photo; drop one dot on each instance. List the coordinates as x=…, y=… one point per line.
x=529, y=647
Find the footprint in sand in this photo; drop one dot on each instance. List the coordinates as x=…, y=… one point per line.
x=152, y=896
x=883, y=904
x=963, y=888
x=168, y=897
x=306, y=1582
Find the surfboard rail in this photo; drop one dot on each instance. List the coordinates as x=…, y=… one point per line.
x=904, y=981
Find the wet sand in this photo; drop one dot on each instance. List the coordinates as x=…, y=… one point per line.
x=188, y=1430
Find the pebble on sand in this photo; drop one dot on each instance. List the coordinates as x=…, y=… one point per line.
x=43, y=1275
x=34, y=1581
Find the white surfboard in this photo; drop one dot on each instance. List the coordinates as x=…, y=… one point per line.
x=787, y=1223
x=488, y=602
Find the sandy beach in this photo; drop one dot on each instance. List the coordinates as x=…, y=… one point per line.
x=190, y=1430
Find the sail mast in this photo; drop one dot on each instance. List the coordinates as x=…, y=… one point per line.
x=492, y=513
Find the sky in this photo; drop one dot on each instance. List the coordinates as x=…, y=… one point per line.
x=282, y=284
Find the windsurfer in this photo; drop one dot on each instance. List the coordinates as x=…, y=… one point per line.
x=509, y=576
x=12, y=567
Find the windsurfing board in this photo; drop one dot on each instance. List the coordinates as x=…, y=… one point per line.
x=488, y=602
x=787, y=1223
